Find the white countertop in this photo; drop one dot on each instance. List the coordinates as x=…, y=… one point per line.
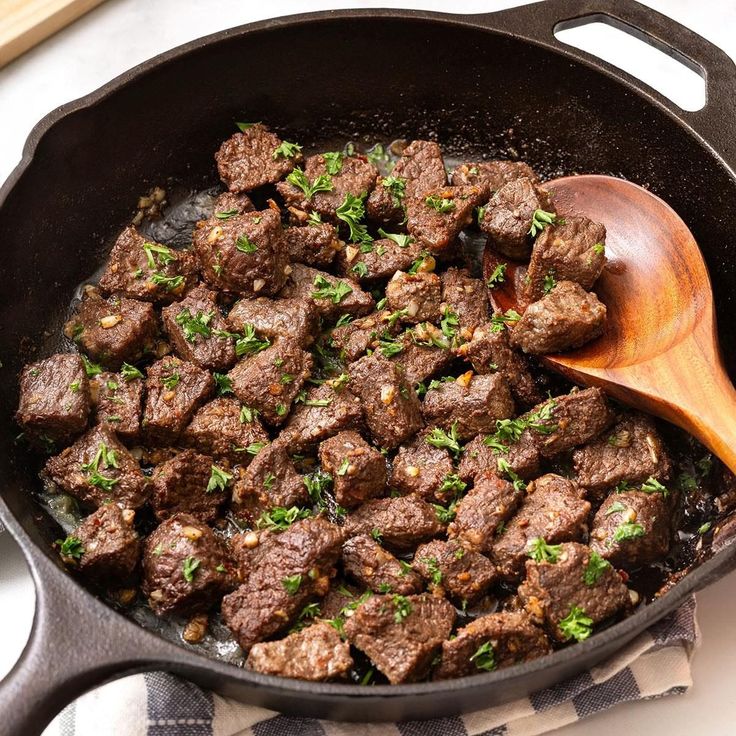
x=122, y=33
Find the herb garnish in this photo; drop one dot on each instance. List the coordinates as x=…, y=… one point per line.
x=439, y=438
x=286, y=150
x=595, y=568
x=440, y=204
x=540, y=220
x=484, y=657
x=576, y=625
x=396, y=185
x=628, y=530
x=399, y=238
x=334, y=291
x=107, y=457
x=192, y=326
x=129, y=372
x=244, y=245
x=281, y=518
x=333, y=162
x=540, y=551
x=351, y=212
x=402, y=606
x=218, y=480
x=292, y=583
x=189, y=567
x=322, y=183
x=498, y=276
x=71, y=547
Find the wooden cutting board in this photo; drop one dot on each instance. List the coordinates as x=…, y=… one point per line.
x=25, y=23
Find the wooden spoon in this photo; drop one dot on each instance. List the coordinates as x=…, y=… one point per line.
x=660, y=351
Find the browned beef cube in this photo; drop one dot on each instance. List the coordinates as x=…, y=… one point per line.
x=564, y=319
x=275, y=318
x=575, y=577
x=402, y=523
x=54, y=398
x=356, y=176
x=186, y=568
x=98, y=469
x=315, y=654
x=471, y=404
x=292, y=568
x=522, y=456
x=254, y=157
x=141, y=269
x=416, y=296
x=489, y=351
x=228, y=204
x=422, y=469
x=437, y=218
x=378, y=260
x=572, y=250
x=342, y=595
x=108, y=545
x=466, y=299
x=464, y=575
x=358, y=470
x=390, y=405
x=271, y=380
x=224, y=429
x=385, y=204
x=198, y=331
x=491, y=642
x=315, y=244
x=244, y=254
x=377, y=569
x=189, y=483
x=631, y=451
x=632, y=528
x=401, y=634
x=118, y=403
x=507, y=218
x=174, y=391
x=494, y=174
x=332, y=297
x=114, y=330
x=418, y=360
x=270, y=480
x=553, y=509
x=355, y=337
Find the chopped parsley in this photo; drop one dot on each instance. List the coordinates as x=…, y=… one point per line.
x=440, y=204
x=244, y=245
x=549, y=283
x=540, y=551
x=505, y=468
x=501, y=319
x=452, y=484
x=433, y=568
x=344, y=465
x=439, y=438
x=248, y=343
x=74, y=387
x=498, y=276
x=360, y=269
x=90, y=368
x=314, y=219
x=400, y=239
x=351, y=212
x=192, y=326
x=599, y=249
x=223, y=383
x=615, y=508
x=292, y=583
x=242, y=127
x=402, y=608
x=445, y=514
x=335, y=292
x=333, y=162
x=484, y=657
x=129, y=372
x=595, y=568
x=71, y=547
x=322, y=183
x=172, y=283
x=628, y=530
x=226, y=214
x=248, y=414
x=189, y=567
x=389, y=346
x=704, y=528
x=218, y=480
x=171, y=381
x=317, y=484
x=105, y=457
x=158, y=255
x=576, y=625
x=449, y=323
x=286, y=150
x=396, y=185
x=652, y=485
x=540, y=220
x=280, y=517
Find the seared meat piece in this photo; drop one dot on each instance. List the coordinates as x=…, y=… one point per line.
x=437, y=218
x=553, y=509
x=632, y=528
x=466, y=299
x=275, y=318
x=315, y=244
x=416, y=296
x=174, y=391
x=54, y=398
x=507, y=218
x=107, y=546
x=522, y=456
x=358, y=470
x=420, y=361
x=564, y=319
x=270, y=380
x=493, y=174
x=228, y=204
x=573, y=577
x=255, y=157
x=98, y=469
x=291, y=569
x=390, y=406
x=355, y=337
x=118, y=403
x=114, y=330
x=189, y=483
x=244, y=254
x=463, y=574
x=630, y=452
x=378, y=260
x=186, y=568
x=483, y=511
x=377, y=569
x=342, y=596
x=401, y=634
x=422, y=469
x=491, y=642
x=402, y=523
x=198, y=331
x=316, y=654
x=471, y=403
x=224, y=429
x=141, y=269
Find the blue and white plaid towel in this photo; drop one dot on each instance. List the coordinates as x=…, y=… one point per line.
x=655, y=664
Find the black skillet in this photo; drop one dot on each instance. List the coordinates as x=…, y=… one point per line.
x=498, y=83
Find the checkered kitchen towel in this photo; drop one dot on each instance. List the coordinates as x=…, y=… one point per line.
x=655, y=664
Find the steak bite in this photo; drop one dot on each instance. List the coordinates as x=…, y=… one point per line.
x=377, y=569
x=415, y=296
x=465, y=299
x=270, y=380
x=522, y=456
x=471, y=404
x=553, y=509
x=493, y=174
x=419, y=360
x=114, y=330
x=198, y=332
x=228, y=204
x=571, y=577
x=141, y=269
x=564, y=319
x=98, y=469
x=54, y=398
x=244, y=254
x=358, y=470
x=492, y=642
x=186, y=568
x=290, y=569
x=354, y=338
x=401, y=634
x=315, y=654
x=378, y=260
x=174, y=391
x=118, y=401
x=315, y=244
x=255, y=157
x=422, y=469
x=275, y=318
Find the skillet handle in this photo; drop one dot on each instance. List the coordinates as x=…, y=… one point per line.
x=713, y=124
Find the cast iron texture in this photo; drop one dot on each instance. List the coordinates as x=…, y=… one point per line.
x=347, y=74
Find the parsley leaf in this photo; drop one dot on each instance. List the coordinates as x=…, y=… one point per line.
x=540, y=551
x=189, y=567
x=280, y=517
x=129, y=372
x=192, y=326
x=218, y=480
x=576, y=625
x=484, y=657
x=223, y=383
x=628, y=530
x=351, y=212
x=322, y=183
x=402, y=606
x=244, y=245
x=396, y=185
x=399, y=238
x=439, y=438
x=540, y=220
x=334, y=291
x=71, y=547
x=292, y=583
x=286, y=150
x=595, y=568
x=333, y=162
x=498, y=276
x=440, y=204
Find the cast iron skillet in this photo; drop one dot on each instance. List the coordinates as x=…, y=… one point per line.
x=497, y=82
